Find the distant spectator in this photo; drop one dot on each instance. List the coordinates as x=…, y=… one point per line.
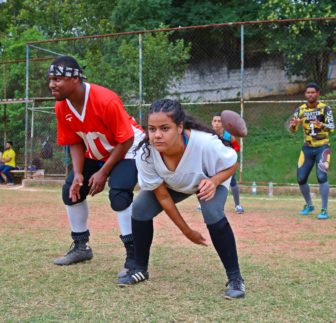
x=35, y=164
x=1, y=163
x=8, y=158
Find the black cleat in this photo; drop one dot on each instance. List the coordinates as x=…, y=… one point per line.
x=78, y=252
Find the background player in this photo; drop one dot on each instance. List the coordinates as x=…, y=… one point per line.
x=317, y=121
x=180, y=157
x=230, y=141
x=93, y=122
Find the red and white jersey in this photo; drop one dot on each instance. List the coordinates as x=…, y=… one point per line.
x=103, y=123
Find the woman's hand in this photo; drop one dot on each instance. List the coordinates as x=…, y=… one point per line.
x=206, y=189
x=196, y=237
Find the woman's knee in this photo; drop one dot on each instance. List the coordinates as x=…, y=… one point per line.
x=145, y=206
x=212, y=214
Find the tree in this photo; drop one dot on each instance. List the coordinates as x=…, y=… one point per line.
x=117, y=66
x=138, y=15
x=306, y=47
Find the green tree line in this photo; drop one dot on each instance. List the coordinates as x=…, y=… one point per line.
x=305, y=48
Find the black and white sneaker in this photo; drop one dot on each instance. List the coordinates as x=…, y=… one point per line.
x=235, y=288
x=134, y=277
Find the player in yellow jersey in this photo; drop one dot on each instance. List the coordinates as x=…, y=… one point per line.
x=8, y=159
x=317, y=121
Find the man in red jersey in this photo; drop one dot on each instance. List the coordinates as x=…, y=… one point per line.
x=101, y=135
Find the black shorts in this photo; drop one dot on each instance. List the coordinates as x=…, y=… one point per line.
x=122, y=178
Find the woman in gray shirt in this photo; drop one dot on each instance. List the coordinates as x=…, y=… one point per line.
x=180, y=156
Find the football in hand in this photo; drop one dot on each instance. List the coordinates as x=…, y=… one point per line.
x=233, y=123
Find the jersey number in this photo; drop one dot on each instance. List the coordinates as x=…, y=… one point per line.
x=97, y=144
x=312, y=130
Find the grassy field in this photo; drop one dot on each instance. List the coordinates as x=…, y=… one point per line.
x=288, y=262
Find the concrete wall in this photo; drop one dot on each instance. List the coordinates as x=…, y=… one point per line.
x=215, y=82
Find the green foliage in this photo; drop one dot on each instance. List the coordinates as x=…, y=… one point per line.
x=15, y=46
x=164, y=62
x=306, y=46
x=140, y=14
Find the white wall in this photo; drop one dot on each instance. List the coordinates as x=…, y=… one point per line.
x=214, y=82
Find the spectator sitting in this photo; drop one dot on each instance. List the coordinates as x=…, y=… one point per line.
x=8, y=158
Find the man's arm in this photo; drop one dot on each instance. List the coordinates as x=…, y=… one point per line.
x=328, y=124
x=295, y=121
x=328, y=119
x=8, y=156
x=98, y=179
x=6, y=160
x=170, y=208
x=77, y=152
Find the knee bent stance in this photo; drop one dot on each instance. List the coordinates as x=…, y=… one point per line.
x=120, y=199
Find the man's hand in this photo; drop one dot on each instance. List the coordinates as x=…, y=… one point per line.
x=196, y=237
x=77, y=183
x=206, y=189
x=318, y=124
x=97, y=182
x=294, y=122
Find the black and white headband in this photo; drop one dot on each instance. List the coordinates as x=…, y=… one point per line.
x=58, y=70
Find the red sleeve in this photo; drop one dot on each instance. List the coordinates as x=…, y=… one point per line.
x=65, y=136
x=235, y=145
x=118, y=121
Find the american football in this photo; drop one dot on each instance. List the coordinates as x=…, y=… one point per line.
x=234, y=123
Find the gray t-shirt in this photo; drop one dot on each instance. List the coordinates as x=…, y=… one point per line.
x=204, y=157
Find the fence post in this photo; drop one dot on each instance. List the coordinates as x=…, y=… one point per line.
x=5, y=106
x=140, y=79
x=67, y=160
x=31, y=138
x=27, y=116
x=241, y=99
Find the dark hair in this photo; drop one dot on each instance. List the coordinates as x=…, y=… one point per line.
x=217, y=114
x=174, y=110
x=10, y=142
x=312, y=85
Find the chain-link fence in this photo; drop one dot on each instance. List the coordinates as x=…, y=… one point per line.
x=257, y=69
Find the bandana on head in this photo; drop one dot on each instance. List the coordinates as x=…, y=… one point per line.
x=57, y=70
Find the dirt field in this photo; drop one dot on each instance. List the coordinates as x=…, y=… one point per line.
x=269, y=225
